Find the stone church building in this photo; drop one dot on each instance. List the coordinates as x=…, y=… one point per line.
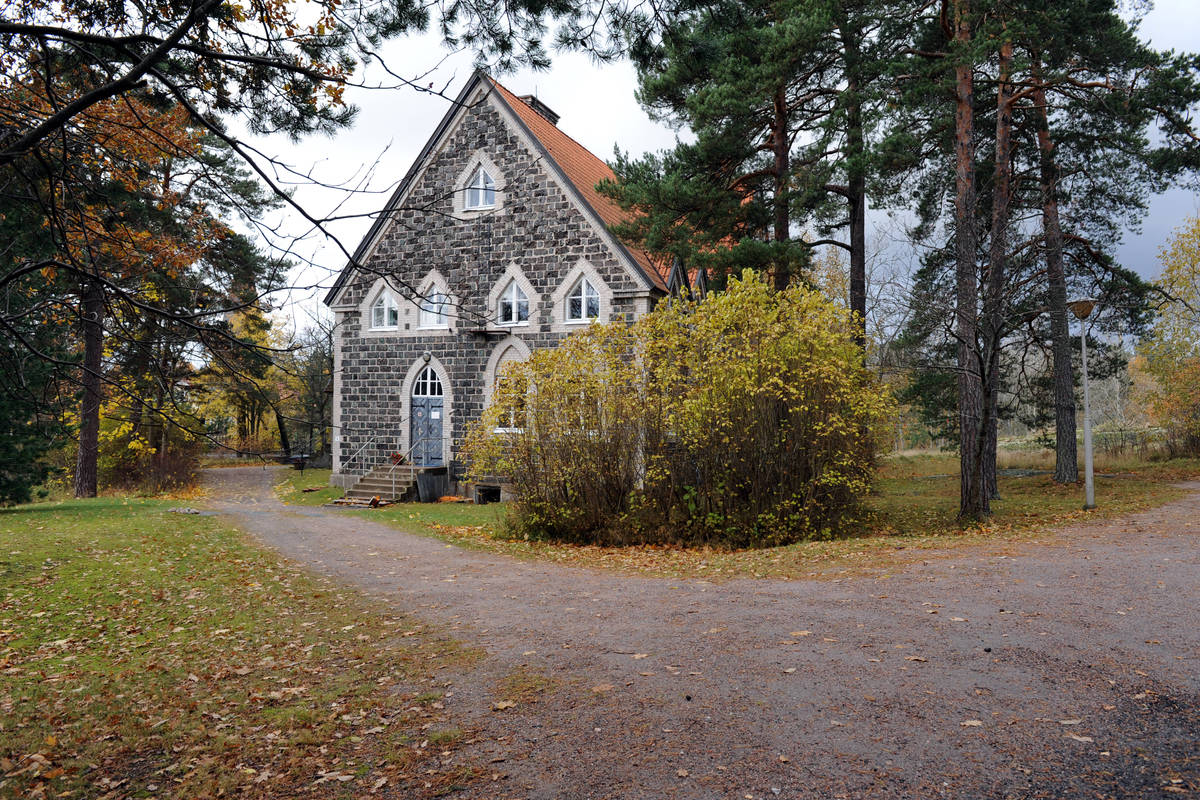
x=495, y=243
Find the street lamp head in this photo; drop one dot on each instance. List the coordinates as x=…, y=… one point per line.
x=1082, y=309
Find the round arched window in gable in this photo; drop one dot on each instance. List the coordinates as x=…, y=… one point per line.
x=428, y=384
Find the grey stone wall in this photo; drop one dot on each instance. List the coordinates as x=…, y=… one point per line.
x=538, y=227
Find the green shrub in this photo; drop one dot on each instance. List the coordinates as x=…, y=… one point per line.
x=744, y=420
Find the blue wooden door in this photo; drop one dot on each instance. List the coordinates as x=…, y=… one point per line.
x=426, y=420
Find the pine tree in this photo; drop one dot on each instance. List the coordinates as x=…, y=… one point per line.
x=783, y=97
x=986, y=61
x=1095, y=94
x=30, y=395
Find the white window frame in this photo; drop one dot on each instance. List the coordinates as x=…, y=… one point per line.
x=388, y=309
x=469, y=185
x=583, y=290
x=426, y=382
x=583, y=269
x=514, y=295
x=512, y=427
x=433, y=309
x=481, y=184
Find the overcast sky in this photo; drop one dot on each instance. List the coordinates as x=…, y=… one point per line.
x=598, y=109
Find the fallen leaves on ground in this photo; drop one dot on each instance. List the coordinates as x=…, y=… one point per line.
x=143, y=655
x=911, y=517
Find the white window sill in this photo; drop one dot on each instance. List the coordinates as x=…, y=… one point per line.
x=480, y=208
x=524, y=324
x=384, y=328
x=581, y=321
x=433, y=327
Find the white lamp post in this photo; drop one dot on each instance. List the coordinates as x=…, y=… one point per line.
x=1082, y=309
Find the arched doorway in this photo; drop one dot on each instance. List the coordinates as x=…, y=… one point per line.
x=427, y=418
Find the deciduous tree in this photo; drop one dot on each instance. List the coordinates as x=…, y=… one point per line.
x=1172, y=351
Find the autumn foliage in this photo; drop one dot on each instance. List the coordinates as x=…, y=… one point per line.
x=121, y=243
x=1172, y=352
x=743, y=420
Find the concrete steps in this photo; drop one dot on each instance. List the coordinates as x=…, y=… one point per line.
x=387, y=483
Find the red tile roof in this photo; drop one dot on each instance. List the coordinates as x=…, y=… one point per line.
x=584, y=171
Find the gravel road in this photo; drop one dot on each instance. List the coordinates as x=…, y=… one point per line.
x=1068, y=668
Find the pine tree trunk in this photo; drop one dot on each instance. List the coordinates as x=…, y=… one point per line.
x=856, y=181
x=164, y=442
x=780, y=146
x=858, y=231
x=92, y=323
x=973, y=500
x=161, y=398
x=997, y=268
x=1066, y=461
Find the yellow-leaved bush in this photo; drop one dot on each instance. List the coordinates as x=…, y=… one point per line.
x=747, y=419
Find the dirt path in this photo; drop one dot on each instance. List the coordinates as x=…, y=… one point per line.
x=1063, y=670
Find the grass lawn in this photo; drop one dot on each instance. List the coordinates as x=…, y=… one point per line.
x=150, y=654
x=918, y=495
x=292, y=489
x=418, y=517
x=912, y=510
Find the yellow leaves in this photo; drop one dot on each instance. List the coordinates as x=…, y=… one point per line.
x=335, y=93
x=752, y=403
x=236, y=12
x=1172, y=353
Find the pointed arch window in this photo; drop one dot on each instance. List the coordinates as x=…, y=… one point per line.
x=583, y=302
x=518, y=384
x=481, y=190
x=428, y=384
x=513, y=383
x=435, y=306
x=385, y=313
x=513, y=308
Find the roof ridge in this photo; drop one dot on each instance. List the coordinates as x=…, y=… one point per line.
x=582, y=177
x=604, y=209
x=575, y=141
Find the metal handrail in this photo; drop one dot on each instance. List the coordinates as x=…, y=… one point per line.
x=356, y=453
x=403, y=458
x=344, y=466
